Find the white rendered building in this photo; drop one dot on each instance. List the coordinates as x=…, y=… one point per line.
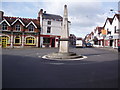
x=51, y=26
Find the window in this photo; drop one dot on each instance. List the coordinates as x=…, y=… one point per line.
x=17, y=40
x=49, y=22
x=115, y=29
x=4, y=39
x=31, y=28
x=4, y=26
x=48, y=29
x=46, y=40
x=17, y=27
x=30, y=41
x=109, y=32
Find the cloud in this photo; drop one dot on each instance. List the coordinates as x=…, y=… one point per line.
x=84, y=16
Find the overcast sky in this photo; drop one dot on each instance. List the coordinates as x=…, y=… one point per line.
x=84, y=16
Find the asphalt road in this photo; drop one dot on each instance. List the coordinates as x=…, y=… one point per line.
x=24, y=68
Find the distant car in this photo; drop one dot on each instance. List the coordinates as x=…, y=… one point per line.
x=79, y=43
x=89, y=45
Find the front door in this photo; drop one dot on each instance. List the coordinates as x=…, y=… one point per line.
x=4, y=42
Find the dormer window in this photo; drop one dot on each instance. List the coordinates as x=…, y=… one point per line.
x=31, y=28
x=17, y=27
x=4, y=26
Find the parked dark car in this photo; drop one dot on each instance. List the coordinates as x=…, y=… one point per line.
x=89, y=45
x=118, y=48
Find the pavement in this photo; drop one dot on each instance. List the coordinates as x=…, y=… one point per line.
x=108, y=48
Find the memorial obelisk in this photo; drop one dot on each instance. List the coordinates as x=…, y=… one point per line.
x=63, y=53
x=64, y=40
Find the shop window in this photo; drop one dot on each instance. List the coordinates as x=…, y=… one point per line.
x=17, y=40
x=17, y=27
x=30, y=41
x=31, y=28
x=46, y=40
x=4, y=39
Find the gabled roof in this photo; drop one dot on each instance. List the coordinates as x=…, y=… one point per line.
x=28, y=20
x=92, y=33
x=10, y=19
x=32, y=24
x=4, y=20
x=108, y=19
x=52, y=16
x=117, y=15
x=18, y=19
x=25, y=21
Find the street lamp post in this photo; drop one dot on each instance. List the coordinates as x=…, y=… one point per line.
x=119, y=25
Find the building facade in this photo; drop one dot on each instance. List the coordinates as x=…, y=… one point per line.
x=112, y=33
x=18, y=32
x=44, y=31
x=108, y=35
x=51, y=26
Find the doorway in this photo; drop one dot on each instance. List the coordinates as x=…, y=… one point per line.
x=4, y=41
x=111, y=43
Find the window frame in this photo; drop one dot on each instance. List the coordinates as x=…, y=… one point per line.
x=46, y=40
x=19, y=38
x=31, y=28
x=49, y=22
x=27, y=41
x=4, y=26
x=18, y=27
x=5, y=37
x=48, y=29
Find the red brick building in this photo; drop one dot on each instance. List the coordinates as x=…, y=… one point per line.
x=19, y=32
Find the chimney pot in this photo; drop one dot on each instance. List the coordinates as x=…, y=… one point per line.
x=1, y=15
x=44, y=11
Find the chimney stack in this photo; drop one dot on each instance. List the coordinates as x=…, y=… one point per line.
x=40, y=13
x=1, y=15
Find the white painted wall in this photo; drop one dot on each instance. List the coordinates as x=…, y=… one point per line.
x=115, y=23
x=55, y=27
x=115, y=35
x=108, y=26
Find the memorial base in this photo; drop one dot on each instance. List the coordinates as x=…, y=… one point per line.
x=62, y=56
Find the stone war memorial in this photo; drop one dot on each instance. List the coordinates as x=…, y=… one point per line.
x=63, y=53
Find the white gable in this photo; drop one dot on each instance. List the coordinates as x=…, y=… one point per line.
x=5, y=21
x=32, y=23
x=19, y=21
